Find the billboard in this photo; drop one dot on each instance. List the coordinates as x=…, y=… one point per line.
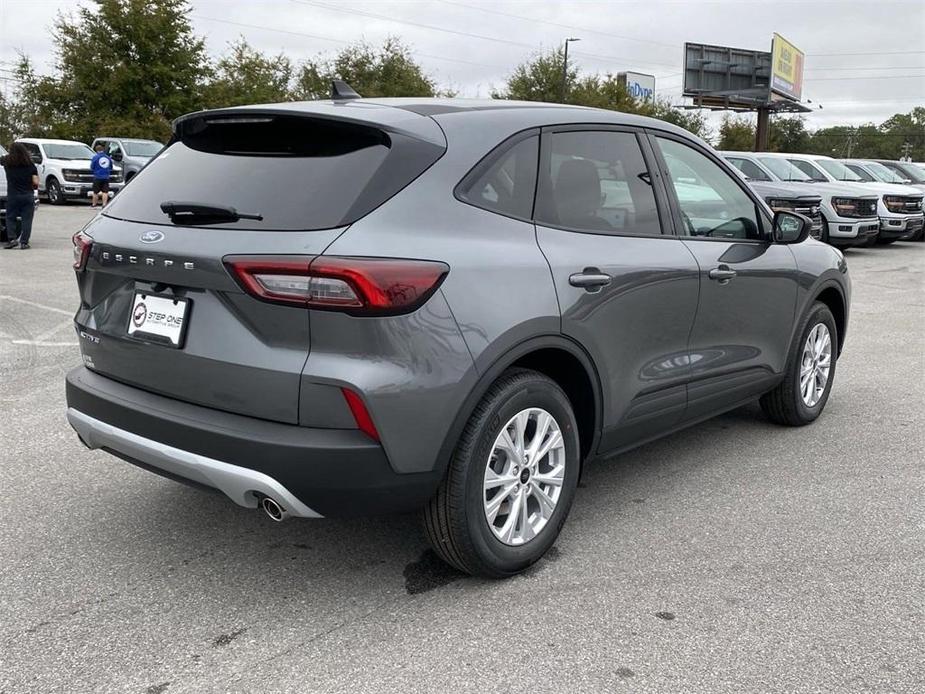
x=724, y=76
x=639, y=86
x=786, y=68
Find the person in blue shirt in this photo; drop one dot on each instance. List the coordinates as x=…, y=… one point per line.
x=101, y=164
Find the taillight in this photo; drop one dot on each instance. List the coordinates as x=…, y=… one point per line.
x=82, y=244
x=358, y=286
x=360, y=414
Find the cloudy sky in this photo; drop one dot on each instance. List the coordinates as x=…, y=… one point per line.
x=865, y=60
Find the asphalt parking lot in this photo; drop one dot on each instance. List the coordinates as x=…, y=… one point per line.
x=733, y=557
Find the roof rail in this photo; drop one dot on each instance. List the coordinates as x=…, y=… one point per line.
x=341, y=91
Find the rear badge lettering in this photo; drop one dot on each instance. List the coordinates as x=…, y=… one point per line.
x=112, y=258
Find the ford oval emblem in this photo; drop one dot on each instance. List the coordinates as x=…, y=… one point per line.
x=152, y=236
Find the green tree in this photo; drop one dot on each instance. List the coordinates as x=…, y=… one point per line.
x=736, y=134
x=244, y=75
x=124, y=66
x=540, y=79
x=788, y=135
x=389, y=70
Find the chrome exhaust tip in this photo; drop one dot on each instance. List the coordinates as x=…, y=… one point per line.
x=273, y=509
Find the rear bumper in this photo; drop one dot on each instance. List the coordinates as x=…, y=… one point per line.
x=310, y=472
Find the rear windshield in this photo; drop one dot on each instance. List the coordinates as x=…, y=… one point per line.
x=297, y=173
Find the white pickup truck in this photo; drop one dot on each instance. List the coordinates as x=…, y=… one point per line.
x=64, y=169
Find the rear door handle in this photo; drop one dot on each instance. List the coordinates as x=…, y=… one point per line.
x=591, y=279
x=723, y=274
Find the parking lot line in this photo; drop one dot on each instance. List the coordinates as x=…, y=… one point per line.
x=36, y=305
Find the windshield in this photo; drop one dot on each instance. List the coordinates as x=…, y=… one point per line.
x=142, y=148
x=883, y=174
x=783, y=169
x=74, y=151
x=838, y=171
x=911, y=171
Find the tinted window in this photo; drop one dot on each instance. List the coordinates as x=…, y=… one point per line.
x=749, y=168
x=907, y=171
x=862, y=174
x=506, y=182
x=810, y=170
x=298, y=173
x=712, y=203
x=34, y=151
x=596, y=181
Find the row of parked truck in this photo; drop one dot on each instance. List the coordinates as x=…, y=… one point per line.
x=853, y=202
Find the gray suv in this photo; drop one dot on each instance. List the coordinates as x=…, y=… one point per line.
x=362, y=306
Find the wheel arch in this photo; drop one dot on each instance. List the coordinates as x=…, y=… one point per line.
x=557, y=357
x=832, y=296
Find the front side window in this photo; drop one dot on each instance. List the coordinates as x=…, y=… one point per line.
x=751, y=170
x=810, y=170
x=712, y=203
x=114, y=148
x=597, y=181
x=34, y=152
x=507, y=184
x=861, y=173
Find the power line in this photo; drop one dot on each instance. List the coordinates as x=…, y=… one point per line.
x=341, y=41
x=571, y=27
x=483, y=37
x=869, y=77
x=820, y=55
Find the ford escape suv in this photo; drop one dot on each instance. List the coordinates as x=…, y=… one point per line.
x=361, y=306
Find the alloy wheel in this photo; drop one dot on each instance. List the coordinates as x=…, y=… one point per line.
x=815, y=364
x=524, y=475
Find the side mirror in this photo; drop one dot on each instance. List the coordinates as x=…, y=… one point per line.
x=117, y=156
x=790, y=227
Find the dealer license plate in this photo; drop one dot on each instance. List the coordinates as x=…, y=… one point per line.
x=159, y=319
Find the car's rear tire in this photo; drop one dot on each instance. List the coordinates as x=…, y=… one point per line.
x=474, y=521
x=800, y=398
x=53, y=190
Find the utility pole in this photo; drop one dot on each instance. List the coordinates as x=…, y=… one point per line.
x=565, y=69
x=851, y=136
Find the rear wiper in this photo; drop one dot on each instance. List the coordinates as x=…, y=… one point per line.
x=201, y=213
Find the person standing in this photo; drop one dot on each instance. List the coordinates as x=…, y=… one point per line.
x=102, y=168
x=22, y=178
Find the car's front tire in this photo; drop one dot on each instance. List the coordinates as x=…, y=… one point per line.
x=800, y=398
x=511, y=480
x=53, y=189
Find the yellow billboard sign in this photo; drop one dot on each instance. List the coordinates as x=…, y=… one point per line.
x=786, y=68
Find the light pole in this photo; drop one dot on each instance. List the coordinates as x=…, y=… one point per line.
x=565, y=68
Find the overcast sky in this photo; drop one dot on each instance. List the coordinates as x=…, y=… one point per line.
x=865, y=60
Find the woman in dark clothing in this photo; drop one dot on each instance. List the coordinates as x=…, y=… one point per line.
x=21, y=179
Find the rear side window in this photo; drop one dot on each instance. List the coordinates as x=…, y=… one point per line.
x=596, y=181
x=506, y=181
x=297, y=173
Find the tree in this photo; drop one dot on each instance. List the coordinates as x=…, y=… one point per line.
x=540, y=79
x=788, y=135
x=736, y=134
x=389, y=70
x=244, y=75
x=126, y=66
